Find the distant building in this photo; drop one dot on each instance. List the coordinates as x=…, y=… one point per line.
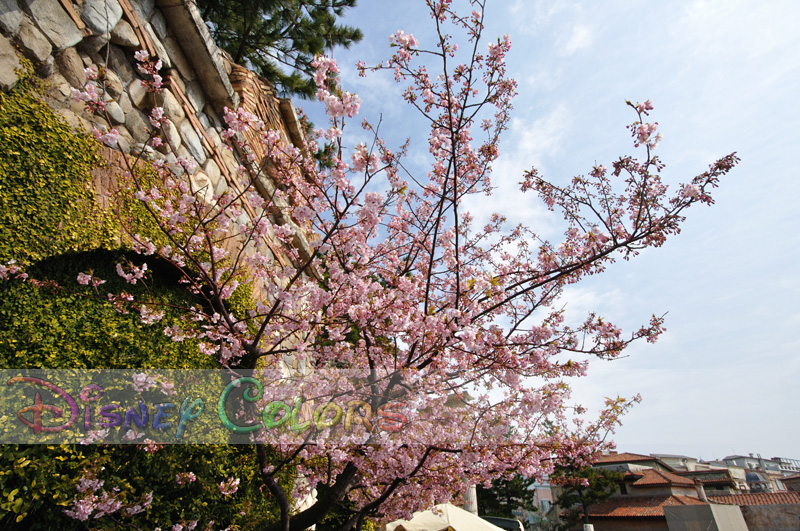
x=717, y=482
x=788, y=467
x=763, y=475
x=628, y=462
x=678, y=462
x=663, y=492
x=753, y=461
x=766, y=511
x=543, y=500
x=738, y=473
x=640, y=502
x=543, y=497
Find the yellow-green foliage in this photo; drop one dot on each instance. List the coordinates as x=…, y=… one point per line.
x=38, y=484
x=49, y=218
x=46, y=204
x=33, y=475
x=72, y=326
x=50, y=222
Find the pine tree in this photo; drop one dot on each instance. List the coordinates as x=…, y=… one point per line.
x=582, y=487
x=278, y=39
x=506, y=495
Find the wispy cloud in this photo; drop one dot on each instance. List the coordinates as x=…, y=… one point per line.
x=527, y=144
x=724, y=77
x=582, y=37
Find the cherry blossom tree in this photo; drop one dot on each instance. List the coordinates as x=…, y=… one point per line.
x=391, y=280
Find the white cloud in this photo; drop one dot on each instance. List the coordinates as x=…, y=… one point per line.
x=536, y=142
x=527, y=144
x=724, y=76
x=529, y=17
x=582, y=37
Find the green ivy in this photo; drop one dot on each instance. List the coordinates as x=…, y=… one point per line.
x=32, y=477
x=46, y=203
x=74, y=326
x=51, y=223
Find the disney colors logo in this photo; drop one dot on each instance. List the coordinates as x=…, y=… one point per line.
x=119, y=413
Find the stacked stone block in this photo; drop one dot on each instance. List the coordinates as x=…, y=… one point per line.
x=64, y=37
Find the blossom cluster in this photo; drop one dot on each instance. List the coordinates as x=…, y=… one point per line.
x=136, y=273
x=338, y=104
x=92, y=93
x=145, y=381
x=85, y=279
x=229, y=486
x=11, y=270
x=147, y=66
x=110, y=137
x=362, y=263
x=405, y=43
x=95, y=502
x=644, y=133
x=185, y=478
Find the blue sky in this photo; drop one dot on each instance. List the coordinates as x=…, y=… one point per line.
x=724, y=76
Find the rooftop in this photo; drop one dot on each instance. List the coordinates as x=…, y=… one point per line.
x=652, y=477
x=624, y=457
x=639, y=506
x=673, y=456
x=760, y=498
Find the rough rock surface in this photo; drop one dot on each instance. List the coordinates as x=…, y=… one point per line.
x=161, y=52
x=94, y=43
x=179, y=60
x=138, y=125
x=10, y=16
x=54, y=22
x=171, y=106
x=123, y=35
x=33, y=43
x=192, y=141
x=211, y=169
x=159, y=24
x=9, y=62
x=101, y=15
x=115, y=112
x=78, y=123
x=113, y=84
x=144, y=8
x=118, y=62
x=194, y=92
x=171, y=135
x=140, y=98
x=70, y=65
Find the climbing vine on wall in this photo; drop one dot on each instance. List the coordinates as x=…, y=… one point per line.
x=52, y=222
x=46, y=202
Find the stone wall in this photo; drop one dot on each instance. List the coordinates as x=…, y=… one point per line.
x=64, y=37
x=784, y=517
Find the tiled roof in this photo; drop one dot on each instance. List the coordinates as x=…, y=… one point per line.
x=759, y=498
x=652, y=477
x=638, y=506
x=624, y=457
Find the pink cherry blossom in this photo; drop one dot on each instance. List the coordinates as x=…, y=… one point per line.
x=185, y=477
x=363, y=264
x=229, y=486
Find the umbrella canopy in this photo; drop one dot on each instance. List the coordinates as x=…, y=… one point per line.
x=446, y=517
